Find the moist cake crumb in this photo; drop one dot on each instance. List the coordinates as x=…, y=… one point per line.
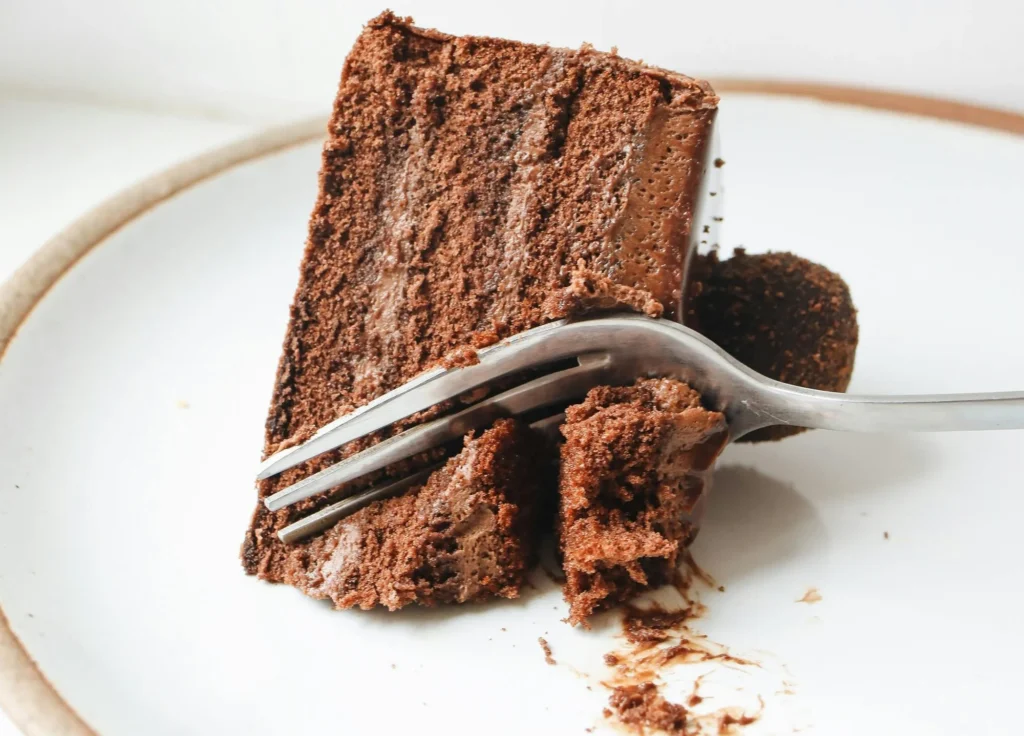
x=634, y=466
x=467, y=534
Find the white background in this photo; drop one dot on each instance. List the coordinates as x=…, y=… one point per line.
x=263, y=59
x=96, y=94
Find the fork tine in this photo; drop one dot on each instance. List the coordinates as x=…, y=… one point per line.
x=524, y=350
x=329, y=515
x=543, y=391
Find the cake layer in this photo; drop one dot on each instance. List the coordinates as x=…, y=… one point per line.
x=467, y=534
x=471, y=188
x=635, y=462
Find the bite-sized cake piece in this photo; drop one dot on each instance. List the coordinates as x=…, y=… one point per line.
x=635, y=462
x=467, y=534
x=471, y=188
x=780, y=314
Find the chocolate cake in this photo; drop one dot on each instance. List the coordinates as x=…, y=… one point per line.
x=467, y=534
x=780, y=314
x=470, y=188
x=635, y=461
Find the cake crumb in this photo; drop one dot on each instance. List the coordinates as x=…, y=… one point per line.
x=885, y=535
x=547, y=650
x=182, y=404
x=811, y=596
x=461, y=357
x=719, y=163
x=721, y=588
x=643, y=707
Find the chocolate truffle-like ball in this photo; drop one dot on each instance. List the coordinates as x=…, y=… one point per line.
x=784, y=316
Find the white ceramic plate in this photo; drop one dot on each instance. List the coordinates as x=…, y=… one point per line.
x=132, y=400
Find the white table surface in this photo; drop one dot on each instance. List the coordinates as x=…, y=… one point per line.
x=60, y=159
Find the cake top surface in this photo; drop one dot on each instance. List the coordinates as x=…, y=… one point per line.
x=467, y=185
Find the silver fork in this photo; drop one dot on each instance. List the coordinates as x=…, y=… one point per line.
x=609, y=350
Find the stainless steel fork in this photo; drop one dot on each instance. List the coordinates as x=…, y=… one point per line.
x=609, y=350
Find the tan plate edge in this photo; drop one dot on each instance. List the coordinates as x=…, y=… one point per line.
x=876, y=99
x=26, y=696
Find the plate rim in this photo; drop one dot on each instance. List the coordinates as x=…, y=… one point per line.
x=27, y=697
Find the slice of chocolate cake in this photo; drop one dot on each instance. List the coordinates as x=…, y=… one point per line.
x=635, y=462
x=471, y=188
x=784, y=316
x=467, y=534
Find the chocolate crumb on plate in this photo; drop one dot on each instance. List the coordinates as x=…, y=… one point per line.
x=642, y=706
x=547, y=650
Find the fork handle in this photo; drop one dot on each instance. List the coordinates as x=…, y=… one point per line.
x=915, y=413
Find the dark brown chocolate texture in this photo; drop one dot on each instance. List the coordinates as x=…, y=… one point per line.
x=635, y=462
x=471, y=188
x=467, y=534
x=642, y=707
x=780, y=314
